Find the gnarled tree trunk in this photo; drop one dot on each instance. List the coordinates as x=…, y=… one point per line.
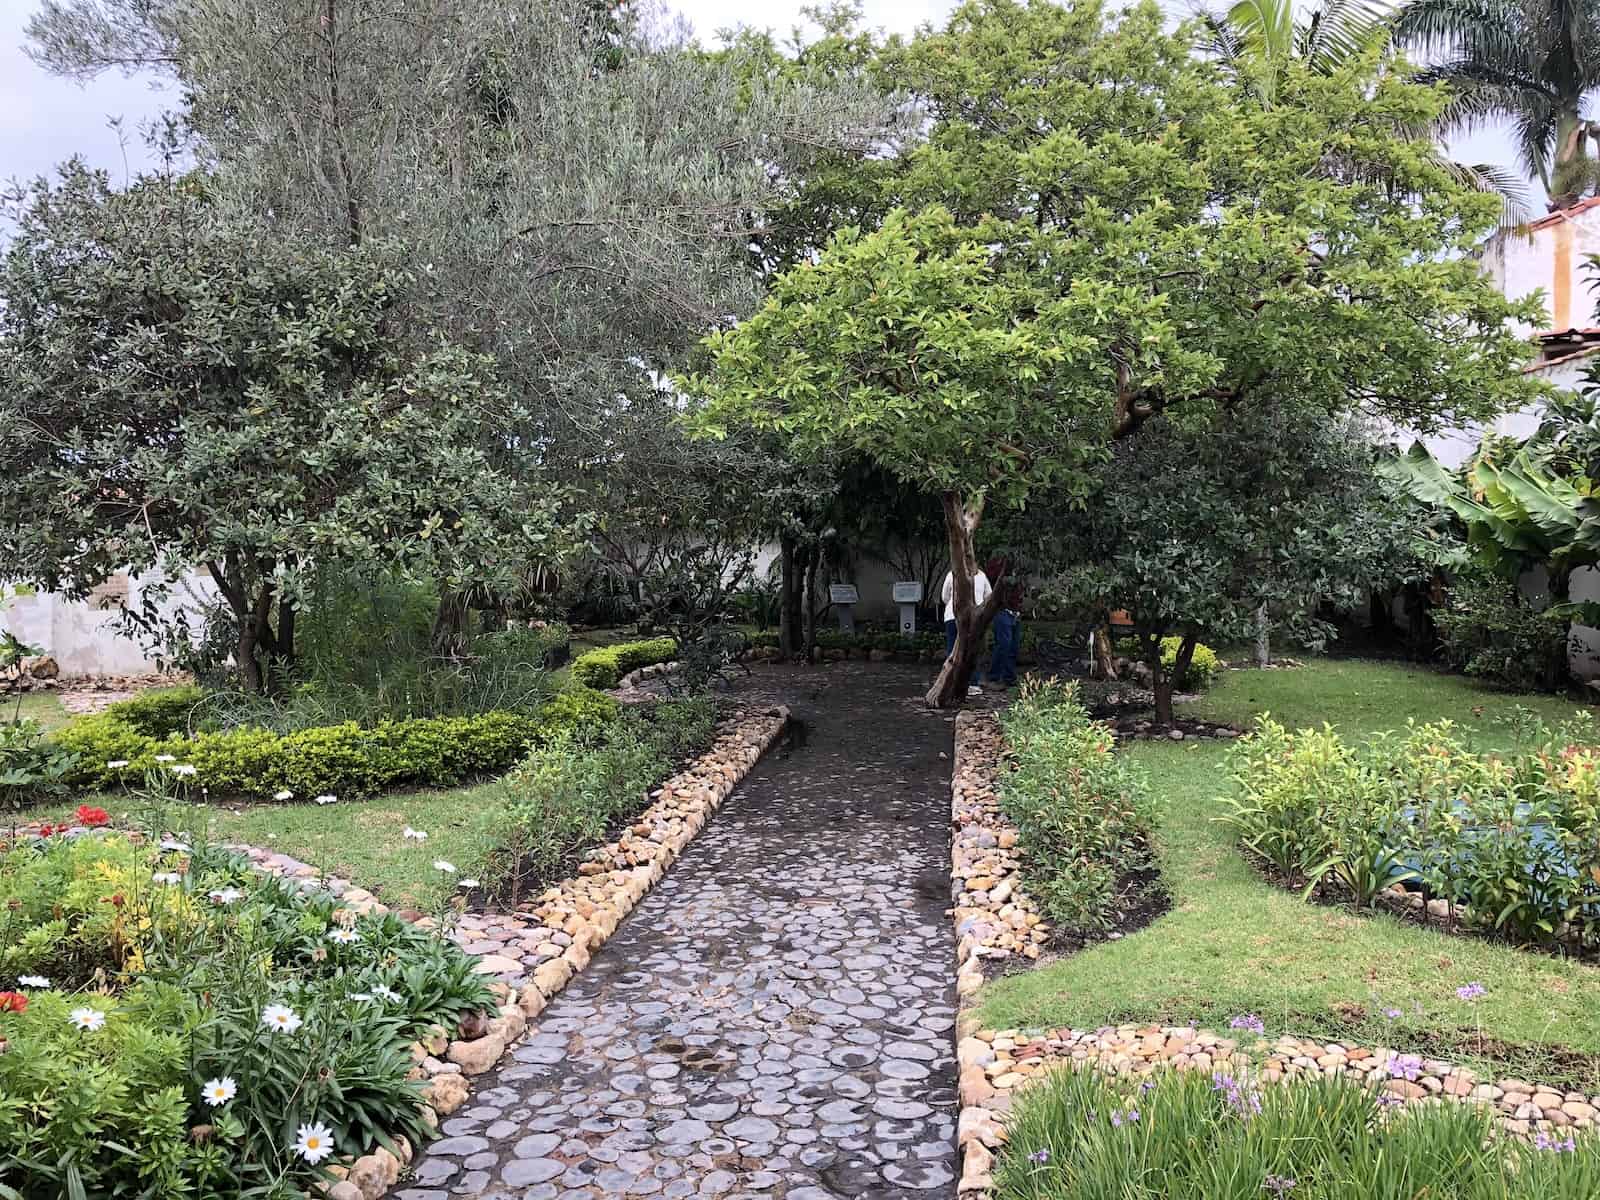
x=1162, y=682
x=972, y=620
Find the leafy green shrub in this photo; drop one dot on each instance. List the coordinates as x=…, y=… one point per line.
x=1083, y=813
x=568, y=793
x=160, y=713
x=1203, y=666
x=605, y=667
x=1489, y=631
x=185, y=948
x=341, y=760
x=1190, y=1136
x=32, y=768
x=1514, y=838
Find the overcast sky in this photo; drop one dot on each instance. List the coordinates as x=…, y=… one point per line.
x=45, y=120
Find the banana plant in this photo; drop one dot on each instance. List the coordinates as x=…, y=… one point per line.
x=1517, y=516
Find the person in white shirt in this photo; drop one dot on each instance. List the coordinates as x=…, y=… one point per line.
x=980, y=593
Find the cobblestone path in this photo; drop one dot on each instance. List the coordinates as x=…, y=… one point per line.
x=776, y=1018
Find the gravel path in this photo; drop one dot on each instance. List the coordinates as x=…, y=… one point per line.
x=776, y=1018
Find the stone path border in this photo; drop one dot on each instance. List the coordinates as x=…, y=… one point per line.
x=534, y=952
x=995, y=920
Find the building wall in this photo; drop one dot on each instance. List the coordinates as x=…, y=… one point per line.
x=83, y=635
x=1552, y=258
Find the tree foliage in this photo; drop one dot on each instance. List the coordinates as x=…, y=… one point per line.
x=1530, y=62
x=183, y=388
x=1193, y=539
x=1098, y=230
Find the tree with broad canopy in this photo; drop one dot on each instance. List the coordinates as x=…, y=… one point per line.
x=1097, y=230
x=181, y=387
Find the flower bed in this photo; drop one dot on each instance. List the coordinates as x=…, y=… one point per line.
x=1508, y=844
x=1083, y=815
x=1177, y=1136
x=123, y=746
x=178, y=1024
x=346, y=937
x=998, y=923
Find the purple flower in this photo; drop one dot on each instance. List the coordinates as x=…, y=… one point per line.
x=1039, y=1157
x=1393, y=1014
x=1147, y=1086
x=1389, y=1099
x=1278, y=1184
x=1133, y=1115
x=1564, y=1145
x=1404, y=1066
x=1116, y=1120
x=1248, y=1021
x=1471, y=991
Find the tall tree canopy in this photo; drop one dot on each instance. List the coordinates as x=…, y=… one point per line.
x=181, y=389
x=1530, y=62
x=1098, y=230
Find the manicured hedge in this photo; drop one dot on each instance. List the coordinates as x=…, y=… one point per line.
x=339, y=760
x=604, y=668
x=159, y=714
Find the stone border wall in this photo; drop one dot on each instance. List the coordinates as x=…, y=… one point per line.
x=536, y=950
x=995, y=920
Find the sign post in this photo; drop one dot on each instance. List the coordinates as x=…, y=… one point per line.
x=908, y=595
x=843, y=596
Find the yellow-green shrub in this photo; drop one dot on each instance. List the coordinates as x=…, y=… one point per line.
x=605, y=667
x=341, y=760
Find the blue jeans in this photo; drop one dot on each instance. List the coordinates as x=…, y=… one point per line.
x=950, y=648
x=1007, y=645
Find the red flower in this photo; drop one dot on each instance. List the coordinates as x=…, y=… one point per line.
x=46, y=830
x=13, y=1002
x=92, y=816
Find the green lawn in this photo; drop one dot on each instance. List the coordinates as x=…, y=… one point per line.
x=1233, y=944
x=43, y=707
x=361, y=840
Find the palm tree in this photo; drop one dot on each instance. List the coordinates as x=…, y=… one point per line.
x=1255, y=39
x=1532, y=62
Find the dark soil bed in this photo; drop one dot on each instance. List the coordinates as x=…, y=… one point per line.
x=1143, y=901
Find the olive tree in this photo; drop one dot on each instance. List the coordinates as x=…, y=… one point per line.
x=183, y=387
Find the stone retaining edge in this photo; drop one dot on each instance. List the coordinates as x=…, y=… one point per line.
x=585, y=911
x=994, y=920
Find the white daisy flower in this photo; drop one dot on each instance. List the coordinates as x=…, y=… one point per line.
x=227, y=895
x=314, y=1142
x=468, y=884
x=32, y=981
x=361, y=997
x=384, y=992
x=167, y=877
x=166, y=758
x=116, y=764
x=439, y=864
x=325, y=800
x=172, y=843
x=87, y=1019
x=183, y=769
x=286, y=794
x=414, y=835
x=280, y=1018
x=219, y=1091
x=344, y=937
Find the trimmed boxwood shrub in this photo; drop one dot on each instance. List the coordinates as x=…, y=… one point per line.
x=159, y=714
x=1203, y=667
x=605, y=667
x=341, y=760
